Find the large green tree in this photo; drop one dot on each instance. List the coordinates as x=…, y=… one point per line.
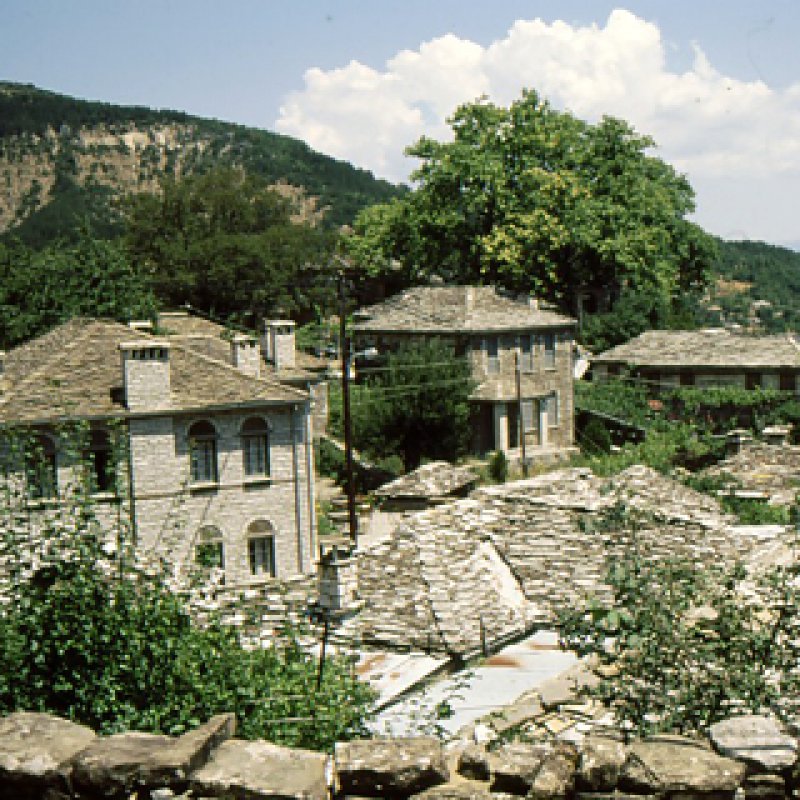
x=539, y=201
x=91, y=277
x=229, y=244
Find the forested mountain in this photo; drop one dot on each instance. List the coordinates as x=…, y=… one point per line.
x=63, y=160
x=757, y=283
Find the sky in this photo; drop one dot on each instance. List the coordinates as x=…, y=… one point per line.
x=716, y=83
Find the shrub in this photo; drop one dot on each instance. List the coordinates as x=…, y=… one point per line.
x=498, y=467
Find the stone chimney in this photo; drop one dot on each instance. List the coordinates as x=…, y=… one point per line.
x=777, y=434
x=738, y=439
x=245, y=354
x=141, y=325
x=279, y=345
x=145, y=374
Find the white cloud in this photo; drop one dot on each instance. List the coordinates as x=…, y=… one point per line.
x=719, y=130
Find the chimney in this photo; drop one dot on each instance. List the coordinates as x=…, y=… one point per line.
x=245, y=354
x=280, y=347
x=533, y=303
x=469, y=300
x=141, y=325
x=145, y=374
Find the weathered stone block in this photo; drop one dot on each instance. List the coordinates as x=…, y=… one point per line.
x=556, y=775
x=390, y=767
x=514, y=767
x=681, y=768
x=34, y=749
x=765, y=787
x=456, y=791
x=257, y=769
x=761, y=742
x=473, y=763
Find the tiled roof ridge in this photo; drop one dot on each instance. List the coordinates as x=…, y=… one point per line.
x=86, y=322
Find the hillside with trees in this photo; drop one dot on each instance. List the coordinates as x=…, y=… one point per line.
x=65, y=160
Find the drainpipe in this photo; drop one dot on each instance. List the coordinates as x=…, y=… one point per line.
x=298, y=513
x=312, y=511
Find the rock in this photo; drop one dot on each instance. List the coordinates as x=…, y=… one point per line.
x=113, y=766
x=676, y=765
x=34, y=749
x=473, y=763
x=556, y=775
x=764, y=787
x=600, y=763
x=514, y=767
x=397, y=767
x=456, y=791
x=759, y=741
x=257, y=769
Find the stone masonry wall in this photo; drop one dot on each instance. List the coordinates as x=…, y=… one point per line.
x=170, y=511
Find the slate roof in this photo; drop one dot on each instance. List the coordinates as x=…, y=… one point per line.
x=75, y=371
x=705, y=348
x=212, y=339
x=455, y=309
x=429, y=482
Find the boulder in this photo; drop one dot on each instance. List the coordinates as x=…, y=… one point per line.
x=514, y=767
x=760, y=741
x=390, y=767
x=34, y=749
x=258, y=769
x=556, y=775
x=473, y=763
x=679, y=766
x=600, y=763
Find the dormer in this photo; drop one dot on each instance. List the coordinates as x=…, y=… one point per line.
x=146, y=374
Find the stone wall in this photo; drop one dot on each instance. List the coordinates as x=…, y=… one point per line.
x=47, y=758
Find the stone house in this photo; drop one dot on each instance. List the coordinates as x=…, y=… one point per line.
x=217, y=461
x=710, y=357
x=506, y=340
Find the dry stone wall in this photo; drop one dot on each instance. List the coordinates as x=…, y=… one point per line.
x=47, y=758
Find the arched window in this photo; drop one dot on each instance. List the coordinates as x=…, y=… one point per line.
x=255, y=447
x=209, y=551
x=261, y=548
x=98, y=456
x=203, y=451
x=40, y=467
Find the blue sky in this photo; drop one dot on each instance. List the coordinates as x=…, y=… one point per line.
x=717, y=84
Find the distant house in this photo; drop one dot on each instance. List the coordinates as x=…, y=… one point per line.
x=497, y=333
x=711, y=357
x=218, y=465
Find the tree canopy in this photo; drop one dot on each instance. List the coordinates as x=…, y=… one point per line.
x=539, y=201
x=228, y=243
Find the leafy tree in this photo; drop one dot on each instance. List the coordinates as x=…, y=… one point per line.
x=415, y=405
x=90, y=633
x=227, y=243
x=539, y=201
x=92, y=277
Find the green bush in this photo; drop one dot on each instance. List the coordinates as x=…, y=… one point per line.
x=498, y=467
x=685, y=647
x=595, y=438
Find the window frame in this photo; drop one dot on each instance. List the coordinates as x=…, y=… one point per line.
x=203, y=453
x=261, y=535
x=255, y=435
x=41, y=468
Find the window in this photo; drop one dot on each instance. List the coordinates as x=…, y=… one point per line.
x=203, y=452
x=98, y=456
x=261, y=548
x=255, y=448
x=528, y=419
x=40, y=468
x=525, y=353
x=549, y=350
x=551, y=409
x=492, y=357
x=209, y=552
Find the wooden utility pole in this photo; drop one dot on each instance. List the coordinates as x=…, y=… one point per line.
x=344, y=352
